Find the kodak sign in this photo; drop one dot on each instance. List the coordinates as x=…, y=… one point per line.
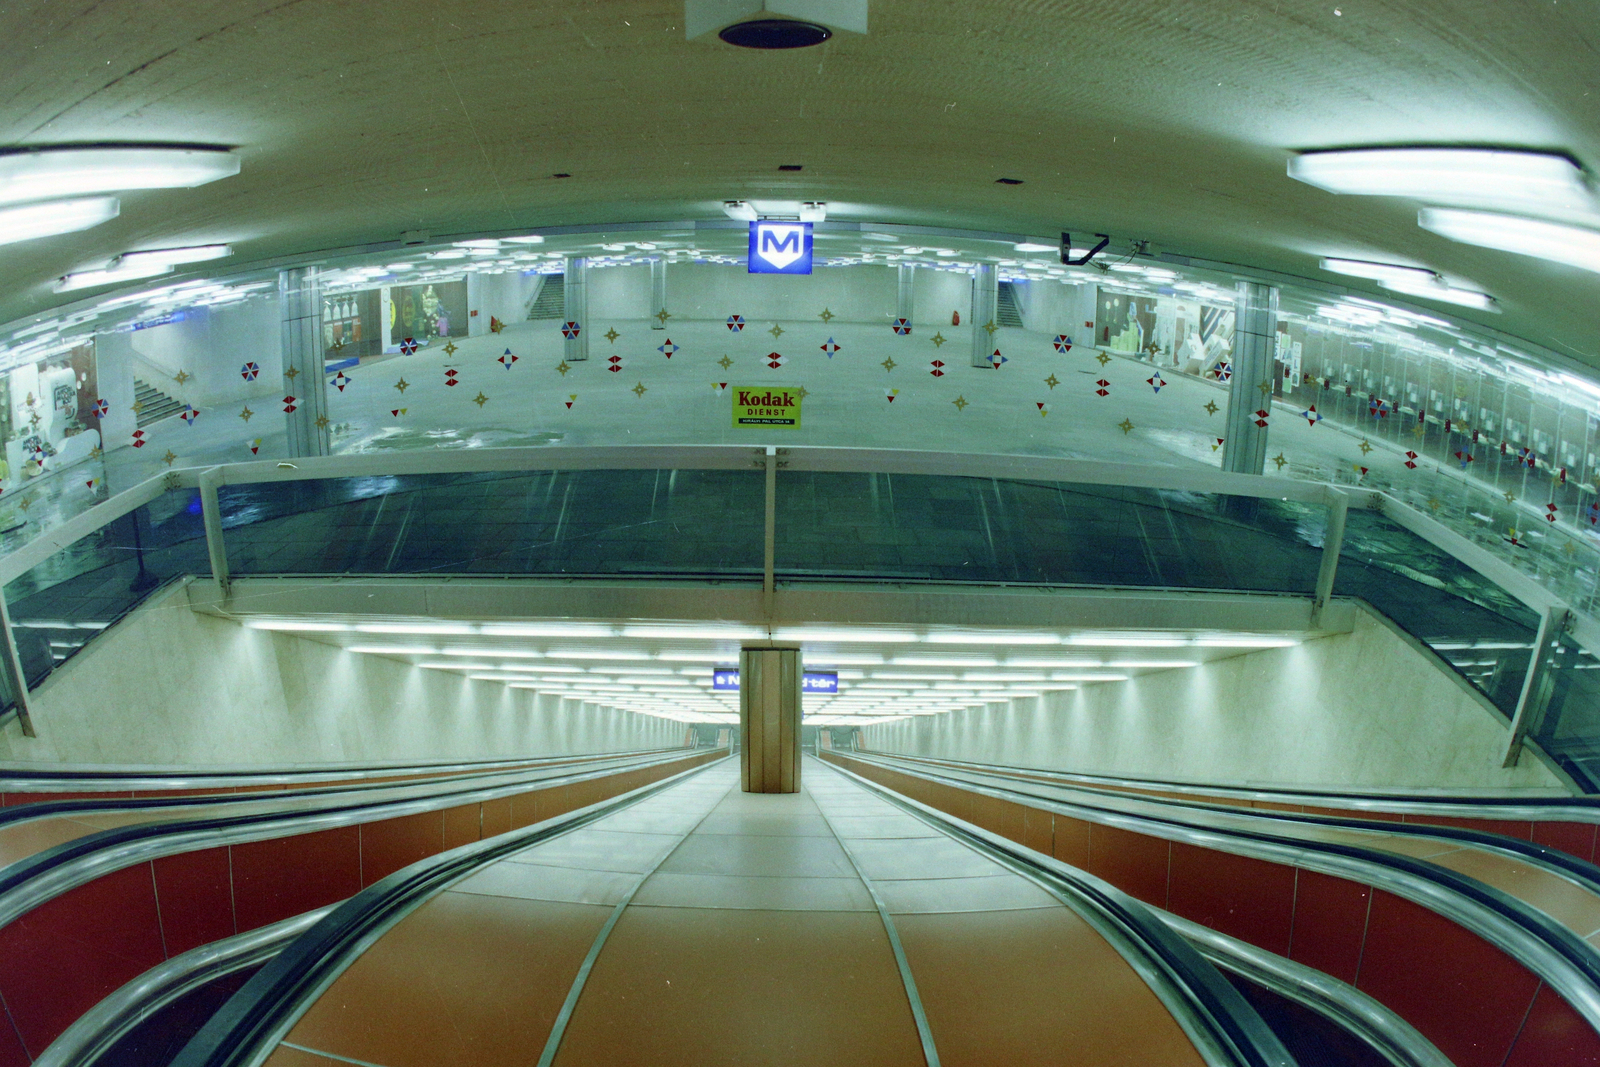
x=766, y=406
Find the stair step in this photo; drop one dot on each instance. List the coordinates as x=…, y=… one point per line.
x=552, y=300
x=154, y=405
x=1006, y=311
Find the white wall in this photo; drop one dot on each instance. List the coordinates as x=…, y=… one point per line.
x=212, y=345
x=1363, y=709
x=936, y=294
x=1056, y=307
x=170, y=686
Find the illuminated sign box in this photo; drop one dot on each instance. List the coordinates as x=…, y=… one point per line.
x=727, y=680
x=780, y=248
x=766, y=406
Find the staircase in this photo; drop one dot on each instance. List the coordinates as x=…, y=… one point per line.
x=1005, y=311
x=154, y=405
x=551, y=303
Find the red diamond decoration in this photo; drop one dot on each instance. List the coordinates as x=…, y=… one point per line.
x=450, y=377
x=938, y=368
x=289, y=405
x=774, y=360
x=1102, y=388
x=1411, y=461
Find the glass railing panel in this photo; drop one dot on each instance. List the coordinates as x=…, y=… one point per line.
x=689, y=523
x=956, y=529
x=1475, y=626
x=1569, y=729
x=59, y=605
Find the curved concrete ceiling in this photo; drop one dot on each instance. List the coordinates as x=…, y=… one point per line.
x=1170, y=121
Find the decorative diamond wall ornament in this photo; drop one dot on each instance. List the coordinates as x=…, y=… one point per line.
x=826, y=316
x=667, y=349
x=902, y=327
x=182, y=376
x=452, y=377
x=1361, y=472
x=1102, y=388
x=830, y=347
x=1223, y=371
x=890, y=394
x=1464, y=457
x=138, y=439
x=572, y=398
x=289, y=406
x=938, y=340
x=250, y=371
x=735, y=323
x=1052, y=381
x=254, y=444
x=340, y=380
x=450, y=348
x=92, y=483
x=1280, y=461
x=888, y=363
x=776, y=331
x=1044, y=409
x=718, y=388
x=938, y=368
x=724, y=362
x=1550, y=513
x=480, y=399
x=408, y=347
x=1312, y=415
x=563, y=367
x=995, y=359
x=1155, y=381
x=402, y=385
x=1365, y=446
x=1218, y=444
x=616, y=364
x=1211, y=407
x=100, y=409
x=397, y=412
x=570, y=330
x=1262, y=415
x=1526, y=458
x=1126, y=426
x=1513, y=538
x=1379, y=409
x=1411, y=461
x=611, y=335
x=1103, y=359
x=246, y=413
x=1063, y=343
x=774, y=360
x=1592, y=513
x=189, y=414
x=506, y=359
x=495, y=326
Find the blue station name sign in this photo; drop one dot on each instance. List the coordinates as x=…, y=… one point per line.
x=727, y=679
x=780, y=247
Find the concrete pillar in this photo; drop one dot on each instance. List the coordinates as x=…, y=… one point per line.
x=769, y=719
x=300, y=301
x=658, y=292
x=903, y=308
x=985, y=306
x=1255, y=332
x=575, y=287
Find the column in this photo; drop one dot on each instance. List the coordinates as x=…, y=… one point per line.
x=300, y=301
x=769, y=719
x=575, y=287
x=985, y=305
x=658, y=292
x=1255, y=333
x=904, y=305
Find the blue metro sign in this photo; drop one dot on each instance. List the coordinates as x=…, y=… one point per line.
x=780, y=248
x=727, y=680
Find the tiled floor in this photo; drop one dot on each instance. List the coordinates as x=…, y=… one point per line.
x=751, y=937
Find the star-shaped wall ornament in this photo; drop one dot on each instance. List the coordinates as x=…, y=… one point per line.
x=1365, y=447
x=1126, y=426
x=889, y=363
x=827, y=316
x=402, y=385
x=611, y=335
x=961, y=403
x=802, y=392
x=292, y=373
x=96, y=452
x=322, y=422
x=137, y=407
x=938, y=340
x=450, y=348
x=246, y=413
x=182, y=376
x=170, y=458
x=991, y=327
x=1510, y=497
x=563, y=367
x=1052, y=381
x=480, y=399
x=1265, y=387
x=776, y=331
x=1103, y=358
x=639, y=390
x=725, y=362
x=1280, y=461
x=26, y=503
x=662, y=316
x=1434, y=503
x=1211, y=407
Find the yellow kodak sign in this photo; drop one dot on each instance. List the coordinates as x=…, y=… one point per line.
x=766, y=406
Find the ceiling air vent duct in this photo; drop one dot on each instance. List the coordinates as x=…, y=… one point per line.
x=774, y=23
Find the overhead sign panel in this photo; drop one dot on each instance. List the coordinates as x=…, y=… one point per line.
x=780, y=247
x=766, y=406
x=727, y=679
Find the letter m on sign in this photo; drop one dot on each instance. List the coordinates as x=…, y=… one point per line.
x=780, y=248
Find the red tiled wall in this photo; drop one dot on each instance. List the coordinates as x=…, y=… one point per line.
x=1462, y=993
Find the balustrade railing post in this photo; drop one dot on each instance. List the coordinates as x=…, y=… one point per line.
x=1332, y=543
x=1535, y=696
x=11, y=665
x=211, y=513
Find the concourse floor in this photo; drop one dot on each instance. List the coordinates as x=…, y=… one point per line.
x=746, y=932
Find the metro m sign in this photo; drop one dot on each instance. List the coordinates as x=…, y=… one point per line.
x=780, y=248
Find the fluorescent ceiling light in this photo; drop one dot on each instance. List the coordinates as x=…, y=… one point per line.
x=1245, y=641
x=1442, y=291
x=53, y=217
x=1575, y=246
x=296, y=626
x=527, y=239
x=813, y=211
x=174, y=256
x=1127, y=642
x=1536, y=182
x=36, y=174
x=862, y=636
x=548, y=629
x=739, y=210
x=1378, y=272
x=590, y=653
x=954, y=661
x=992, y=639
x=697, y=633
x=1151, y=664
x=87, y=279
x=1033, y=246
x=448, y=629
x=396, y=650
x=458, y=666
